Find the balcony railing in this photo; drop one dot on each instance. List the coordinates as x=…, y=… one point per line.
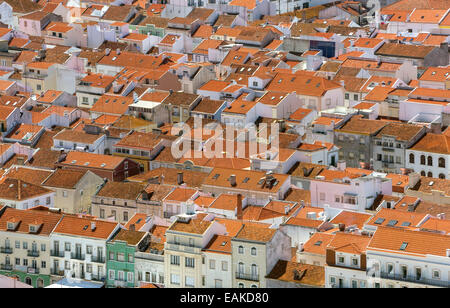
x=414, y=279
x=6, y=267
x=33, y=253
x=7, y=250
x=32, y=270
x=77, y=256
x=57, y=253
x=57, y=272
x=97, y=259
x=169, y=214
x=244, y=276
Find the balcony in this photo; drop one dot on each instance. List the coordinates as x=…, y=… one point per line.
x=98, y=259
x=57, y=253
x=57, y=272
x=32, y=270
x=181, y=247
x=413, y=279
x=169, y=214
x=34, y=75
x=6, y=267
x=33, y=253
x=244, y=276
x=7, y=250
x=77, y=256
x=97, y=278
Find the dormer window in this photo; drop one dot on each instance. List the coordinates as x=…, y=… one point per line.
x=11, y=226
x=32, y=229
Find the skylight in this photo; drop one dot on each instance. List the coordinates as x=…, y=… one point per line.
x=392, y=222
x=404, y=245
x=379, y=221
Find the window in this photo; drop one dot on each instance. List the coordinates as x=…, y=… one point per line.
x=64, y=193
x=212, y=264
x=422, y=159
x=25, y=245
x=175, y=260
x=38, y=87
x=418, y=273
x=43, y=264
x=241, y=249
x=430, y=161
x=130, y=258
x=17, y=244
x=322, y=196
x=125, y=216
x=130, y=277
x=411, y=158
x=355, y=261
x=341, y=259
x=347, y=95
x=224, y=266
x=430, y=174
x=355, y=97
x=436, y=274
x=102, y=213
x=111, y=255
x=253, y=251
x=441, y=162
x=174, y=279
x=89, y=250
x=441, y=176
x=43, y=247
x=47, y=200
x=189, y=262
x=390, y=268
x=111, y=274
x=120, y=276
x=354, y=284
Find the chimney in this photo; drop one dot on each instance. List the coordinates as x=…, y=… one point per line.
x=342, y=227
x=286, y=209
x=414, y=177
x=441, y=216
x=411, y=207
x=20, y=160
x=118, y=51
x=239, y=213
x=93, y=226
x=180, y=178
x=300, y=247
x=132, y=227
x=342, y=165
x=233, y=180
x=107, y=51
